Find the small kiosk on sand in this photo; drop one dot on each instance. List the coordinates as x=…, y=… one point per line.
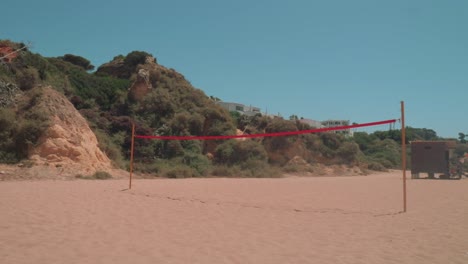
x=435, y=158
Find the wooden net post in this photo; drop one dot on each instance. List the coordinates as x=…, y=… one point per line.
x=403, y=153
x=131, y=156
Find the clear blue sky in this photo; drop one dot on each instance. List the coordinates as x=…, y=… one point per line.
x=334, y=59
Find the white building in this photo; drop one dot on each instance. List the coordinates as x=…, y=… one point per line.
x=338, y=123
x=311, y=122
x=240, y=108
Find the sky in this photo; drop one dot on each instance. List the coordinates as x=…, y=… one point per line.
x=335, y=59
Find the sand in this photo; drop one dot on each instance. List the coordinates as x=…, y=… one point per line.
x=287, y=220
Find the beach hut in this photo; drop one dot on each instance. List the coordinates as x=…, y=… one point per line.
x=433, y=158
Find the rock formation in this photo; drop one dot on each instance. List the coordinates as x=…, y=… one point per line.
x=68, y=143
x=9, y=93
x=142, y=86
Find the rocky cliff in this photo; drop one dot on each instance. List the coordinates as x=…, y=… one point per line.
x=68, y=143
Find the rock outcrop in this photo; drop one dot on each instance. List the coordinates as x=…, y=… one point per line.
x=142, y=86
x=9, y=93
x=7, y=53
x=68, y=143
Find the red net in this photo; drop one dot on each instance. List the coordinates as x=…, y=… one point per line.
x=278, y=134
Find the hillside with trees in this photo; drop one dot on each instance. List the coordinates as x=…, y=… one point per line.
x=134, y=88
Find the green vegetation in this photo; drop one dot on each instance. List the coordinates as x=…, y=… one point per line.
x=21, y=129
x=461, y=137
x=172, y=106
x=98, y=175
x=78, y=61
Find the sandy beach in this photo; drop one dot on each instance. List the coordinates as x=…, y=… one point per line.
x=355, y=219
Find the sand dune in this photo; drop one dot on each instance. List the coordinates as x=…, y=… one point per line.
x=287, y=220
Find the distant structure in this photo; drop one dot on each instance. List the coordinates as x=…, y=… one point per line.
x=311, y=122
x=435, y=157
x=337, y=123
x=240, y=108
x=252, y=111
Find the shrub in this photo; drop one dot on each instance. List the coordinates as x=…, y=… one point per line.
x=326, y=151
x=259, y=169
x=147, y=167
x=7, y=121
x=226, y=171
x=192, y=146
x=31, y=125
x=136, y=57
x=7, y=140
x=27, y=79
x=27, y=134
x=179, y=123
x=20, y=132
x=35, y=61
x=385, y=163
x=293, y=168
x=173, y=149
x=155, y=106
x=111, y=145
x=200, y=163
x=348, y=152
x=279, y=143
x=101, y=175
x=155, y=77
x=376, y=166
x=312, y=142
x=180, y=172
x=234, y=152
x=217, y=121
x=224, y=153
x=386, y=152
x=78, y=61
x=98, y=175
x=332, y=140
x=195, y=123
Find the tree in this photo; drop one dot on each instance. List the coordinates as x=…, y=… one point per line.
x=293, y=117
x=461, y=137
x=136, y=57
x=78, y=61
x=364, y=140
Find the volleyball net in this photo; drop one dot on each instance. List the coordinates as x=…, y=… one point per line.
x=280, y=134
x=277, y=134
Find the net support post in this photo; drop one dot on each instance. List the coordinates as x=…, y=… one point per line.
x=403, y=153
x=131, y=156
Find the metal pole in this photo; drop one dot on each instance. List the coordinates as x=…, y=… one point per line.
x=131, y=156
x=403, y=153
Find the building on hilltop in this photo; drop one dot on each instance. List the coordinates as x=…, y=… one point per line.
x=240, y=108
x=311, y=123
x=338, y=123
x=252, y=111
